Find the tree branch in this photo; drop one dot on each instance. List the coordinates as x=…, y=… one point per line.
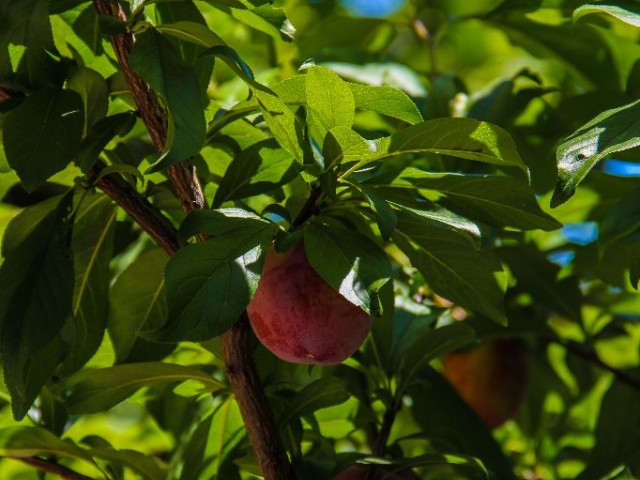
x=592, y=357
x=243, y=376
x=52, y=468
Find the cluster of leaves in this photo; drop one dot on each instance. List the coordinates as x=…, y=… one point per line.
x=397, y=201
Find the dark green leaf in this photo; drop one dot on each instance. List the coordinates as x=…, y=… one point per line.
x=33, y=441
x=158, y=62
x=617, y=432
x=92, y=244
x=93, y=90
x=432, y=344
x=539, y=278
x=258, y=169
x=455, y=423
x=26, y=23
x=35, y=301
x=208, y=285
x=612, y=131
x=494, y=200
x=43, y=134
x=101, y=133
x=385, y=216
x=324, y=392
x=138, y=303
x=98, y=390
x=349, y=262
x=135, y=461
x=452, y=265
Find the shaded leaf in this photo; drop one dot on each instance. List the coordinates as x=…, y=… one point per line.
x=349, y=262
x=452, y=265
x=43, y=134
x=136, y=303
x=92, y=244
x=38, y=280
x=617, y=432
x=258, y=169
x=208, y=285
x=93, y=91
x=491, y=199
x=98, y=390
x=158, y=62
x=322, y=393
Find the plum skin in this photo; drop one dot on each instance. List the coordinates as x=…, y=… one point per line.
x=491, y=378
x=300, y=317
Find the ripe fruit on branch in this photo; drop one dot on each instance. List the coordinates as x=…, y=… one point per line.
x=359, y=472
x=300, y=317
x=491, y=378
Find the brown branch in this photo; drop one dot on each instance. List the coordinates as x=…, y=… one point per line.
x=243, y=376
x=139, y=209
x=593, y=358
x=52, y=468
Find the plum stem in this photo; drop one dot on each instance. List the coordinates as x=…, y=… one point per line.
x=243, y=376
x=308, y=208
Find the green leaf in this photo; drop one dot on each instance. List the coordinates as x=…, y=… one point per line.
x=33, y=441
x=222, y=221
x=226, y=433
x=93, y=91
x=617, y=432
x=26, y=23
x=94, y=391
x=136, y=303
x=209, y=284
x=432, y=344
x=135, y=461
x=500, y=201
x=342, y=144
x=455, y=422
x=349, y=262
x=329, y=101
x=92, y=245
x=386, y=217
x=43, y=134
x=611, y=131
x=158, y=62
x=452, y=265
x=539, y=278
x=35, y=301
x=624, y=12
x=322, y=393
x=193, y=32
x=458, y=137
x=267, y=19
x=284, y=125
x=386, y=100
x=261, y=168
x=100, y=134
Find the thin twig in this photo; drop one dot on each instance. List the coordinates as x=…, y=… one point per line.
x=592, y=357
x=52, y=468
